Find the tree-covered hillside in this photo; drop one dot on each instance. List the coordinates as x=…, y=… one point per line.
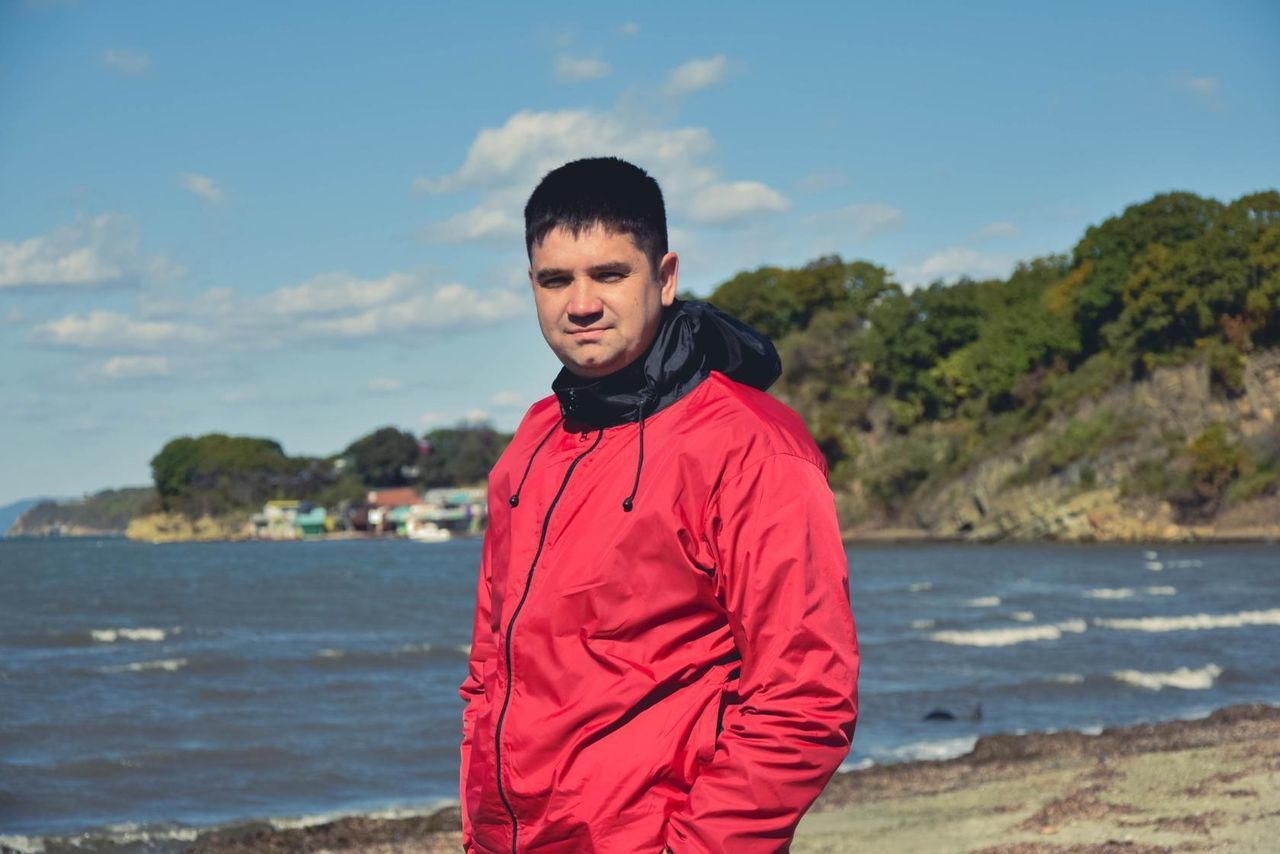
x=904, y=389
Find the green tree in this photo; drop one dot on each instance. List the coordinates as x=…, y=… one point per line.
x=385, y=457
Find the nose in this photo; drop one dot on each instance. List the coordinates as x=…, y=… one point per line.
x=585, y=305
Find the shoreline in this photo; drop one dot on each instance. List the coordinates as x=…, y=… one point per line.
x=1263, y=535
x=1195, y=784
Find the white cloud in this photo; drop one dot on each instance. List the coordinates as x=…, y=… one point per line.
x=735, y=201
x=483, y=222
x=475, y=416
x=1204, y=89
x=506, y=162
x=629, y=29
x=128, y=63
x=132, y=367
x=860, y=219
x=531, y=144
x=202, y=186
x=99, y=250
x=111, y=330
x=956, y=262
x=447, y=307
x=325, y=309
x=336, y=293
x=571, y=69
x=697, y=74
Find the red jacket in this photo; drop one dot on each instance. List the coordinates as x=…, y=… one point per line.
x=682, y=674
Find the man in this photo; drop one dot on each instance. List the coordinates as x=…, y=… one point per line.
x=663, y=652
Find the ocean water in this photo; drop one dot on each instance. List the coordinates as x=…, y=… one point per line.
x=149, y=691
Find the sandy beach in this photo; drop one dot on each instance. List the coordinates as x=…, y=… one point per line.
x=1204, y=785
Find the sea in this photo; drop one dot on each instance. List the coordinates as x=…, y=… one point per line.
x=149, y=692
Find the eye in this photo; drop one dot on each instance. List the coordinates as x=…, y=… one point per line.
x=610, y=276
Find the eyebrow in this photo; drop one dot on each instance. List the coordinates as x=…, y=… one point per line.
x=549, y=273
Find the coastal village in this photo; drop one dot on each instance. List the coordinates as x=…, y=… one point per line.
x=436, y=515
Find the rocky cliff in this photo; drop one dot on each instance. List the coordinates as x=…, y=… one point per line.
x=1093, y=498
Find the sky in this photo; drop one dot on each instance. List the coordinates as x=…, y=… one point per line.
x=303, y=220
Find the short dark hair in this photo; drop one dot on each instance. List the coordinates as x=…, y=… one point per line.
x=605, y=191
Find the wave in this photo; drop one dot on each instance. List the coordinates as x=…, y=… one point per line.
x=170, y=664
x=1160, y=590
x=403, y=652
x=920, y=587
x=1009, y=636
x=1069, y=679
x=143, y=634
x=921, y=625
x=945, y=748
x=174, y=836
x=1109, y=593
x=1184, y=678
x=1192, y=622
x=983, y=602
x=1155, y=565
x=1023, y=616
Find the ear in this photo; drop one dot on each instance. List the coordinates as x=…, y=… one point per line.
x=669, y=274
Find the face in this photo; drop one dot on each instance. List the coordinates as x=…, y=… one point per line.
x=598, y=300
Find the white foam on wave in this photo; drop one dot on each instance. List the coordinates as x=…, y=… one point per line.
x=331, y=653
x=1109, y=593
x=129, y=832
x=137, y=666
x=464, y=648
x=1069, y=679
x=1023, y=616
x=389, y=813
x=22, y=844
x=1009, y=636
x=921, y=625
x=1160, y=590
x=1155, y=565
x=945, y=748
x=862, y=764
x=1192, y=622
x=920, y=586
x=113, y=635
x=411, y=648
x=983, y=602
x=1185, y=678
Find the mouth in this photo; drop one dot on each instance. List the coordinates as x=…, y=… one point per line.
x=594, y=330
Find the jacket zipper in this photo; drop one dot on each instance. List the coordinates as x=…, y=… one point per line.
x=506, y=700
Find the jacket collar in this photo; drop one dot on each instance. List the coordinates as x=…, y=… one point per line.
x=694, y=338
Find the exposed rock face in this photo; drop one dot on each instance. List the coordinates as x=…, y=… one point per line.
x=979, y=506
x=176, y=528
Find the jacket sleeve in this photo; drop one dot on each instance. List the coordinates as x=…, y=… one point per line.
x=472, y=688
x=782, y=577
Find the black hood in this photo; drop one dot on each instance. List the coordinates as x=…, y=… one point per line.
x=694, y=338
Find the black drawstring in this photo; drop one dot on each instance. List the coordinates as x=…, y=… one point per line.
x=514, y=500
x=629, y=501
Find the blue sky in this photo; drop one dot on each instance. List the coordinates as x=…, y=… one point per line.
x=302, y=220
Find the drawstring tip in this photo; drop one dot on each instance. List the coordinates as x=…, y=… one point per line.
x=626, y=504
x=514, y=500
